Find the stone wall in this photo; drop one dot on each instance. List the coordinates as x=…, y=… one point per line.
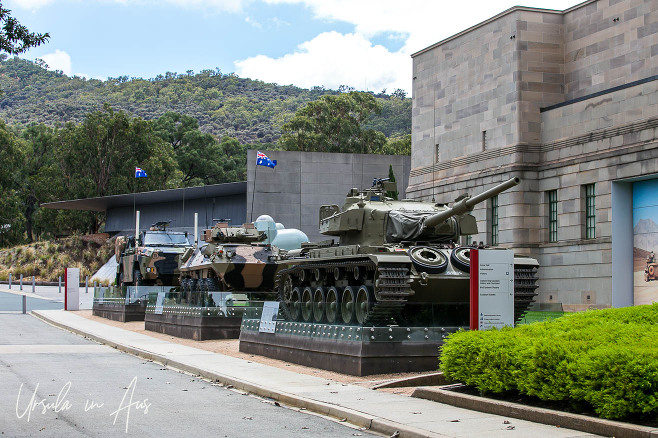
x=556, y=93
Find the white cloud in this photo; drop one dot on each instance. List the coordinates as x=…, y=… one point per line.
x=332, y=59
x=425, y=22
x=58, y=61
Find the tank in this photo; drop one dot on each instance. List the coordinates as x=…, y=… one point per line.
x=235, y=258
x=398, y=263
x=651, y=268
x=152, y=259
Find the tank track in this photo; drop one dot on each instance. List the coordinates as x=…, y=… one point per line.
x=525, y=289
x=392, y=289
x=391, y=286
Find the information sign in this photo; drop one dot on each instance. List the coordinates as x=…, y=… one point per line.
x=492, y=288
x=72, y=289
x=268, y=317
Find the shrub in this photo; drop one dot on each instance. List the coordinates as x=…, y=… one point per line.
x=605, y=358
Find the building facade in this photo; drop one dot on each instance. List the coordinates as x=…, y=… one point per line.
x=567, y=101
x=291, y=193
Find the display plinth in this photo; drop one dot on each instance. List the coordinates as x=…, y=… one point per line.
x=120, y=311
x=358, y=351
x=197, y=327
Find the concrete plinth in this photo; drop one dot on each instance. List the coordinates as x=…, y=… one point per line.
x=199, y=328
x=354, y=357
x=120, y=311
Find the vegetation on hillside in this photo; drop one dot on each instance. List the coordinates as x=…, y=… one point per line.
x=47, y=260
x=251, y=111
x=71, y=138
x=603, y=359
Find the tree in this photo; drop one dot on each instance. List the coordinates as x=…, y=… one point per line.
x=98, y=157
x=16, y=38
x=12, y=164
x=41, y=179
x=397, y=146
x=334, y=123
x=391, y=178
x=200, y=157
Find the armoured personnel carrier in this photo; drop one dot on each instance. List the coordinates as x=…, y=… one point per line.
x=391, y=254
x=237, y=258
x=152, y=259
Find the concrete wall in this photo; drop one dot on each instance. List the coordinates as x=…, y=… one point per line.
x=294, y=190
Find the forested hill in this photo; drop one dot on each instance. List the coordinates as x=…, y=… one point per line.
x=224, y=104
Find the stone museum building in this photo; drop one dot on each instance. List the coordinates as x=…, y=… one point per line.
x=567, y=101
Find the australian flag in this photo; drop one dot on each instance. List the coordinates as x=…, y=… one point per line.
x=263, y=160
x=139, y=173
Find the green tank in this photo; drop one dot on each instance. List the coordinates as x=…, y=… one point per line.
x=151, y=260
x=397, y=263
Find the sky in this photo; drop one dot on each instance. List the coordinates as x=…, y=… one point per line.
x=365, y=44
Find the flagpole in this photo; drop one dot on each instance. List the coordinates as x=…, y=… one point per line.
x=253, y=192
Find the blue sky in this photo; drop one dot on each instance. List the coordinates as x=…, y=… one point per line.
x=365, y=44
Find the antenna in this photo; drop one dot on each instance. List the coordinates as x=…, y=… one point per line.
x=436, y=150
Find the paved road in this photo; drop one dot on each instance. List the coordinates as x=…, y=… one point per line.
x=14, y=303
x=54, y=383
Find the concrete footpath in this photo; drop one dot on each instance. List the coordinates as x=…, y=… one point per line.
x=377, y=411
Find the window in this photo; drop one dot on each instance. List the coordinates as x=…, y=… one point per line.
x=494, y=221
x=552, y=215
x=484, y=140
x=590, y=212
x=436, y=153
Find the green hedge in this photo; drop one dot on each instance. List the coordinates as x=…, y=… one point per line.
x=605, y=358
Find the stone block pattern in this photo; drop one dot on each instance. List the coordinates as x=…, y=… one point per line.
x=553, y=58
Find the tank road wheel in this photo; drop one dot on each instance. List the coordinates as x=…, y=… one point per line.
x=307, y=304
x=364, y=302
x=137, y=278
x=461, y=258
x=332, y=307
x=295, y=303
x=357, y=272
x=318, y=274
x=212, y=284
x=319, y=304
x=347, y=305
x=428, y=259
x=303, y=276
x=191, y=290
x=338, y=273
x=652, y=271
x=179, y=296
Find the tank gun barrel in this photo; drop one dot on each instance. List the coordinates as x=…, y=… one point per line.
x=467, y=204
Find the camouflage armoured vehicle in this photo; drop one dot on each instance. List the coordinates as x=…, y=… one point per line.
x=236, y=258
x=651, y=269
x=391, y=255
x=153, y=259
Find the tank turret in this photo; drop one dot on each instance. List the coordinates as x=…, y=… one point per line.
x=390, y=253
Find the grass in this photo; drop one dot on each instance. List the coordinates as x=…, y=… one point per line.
x=539, y=316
